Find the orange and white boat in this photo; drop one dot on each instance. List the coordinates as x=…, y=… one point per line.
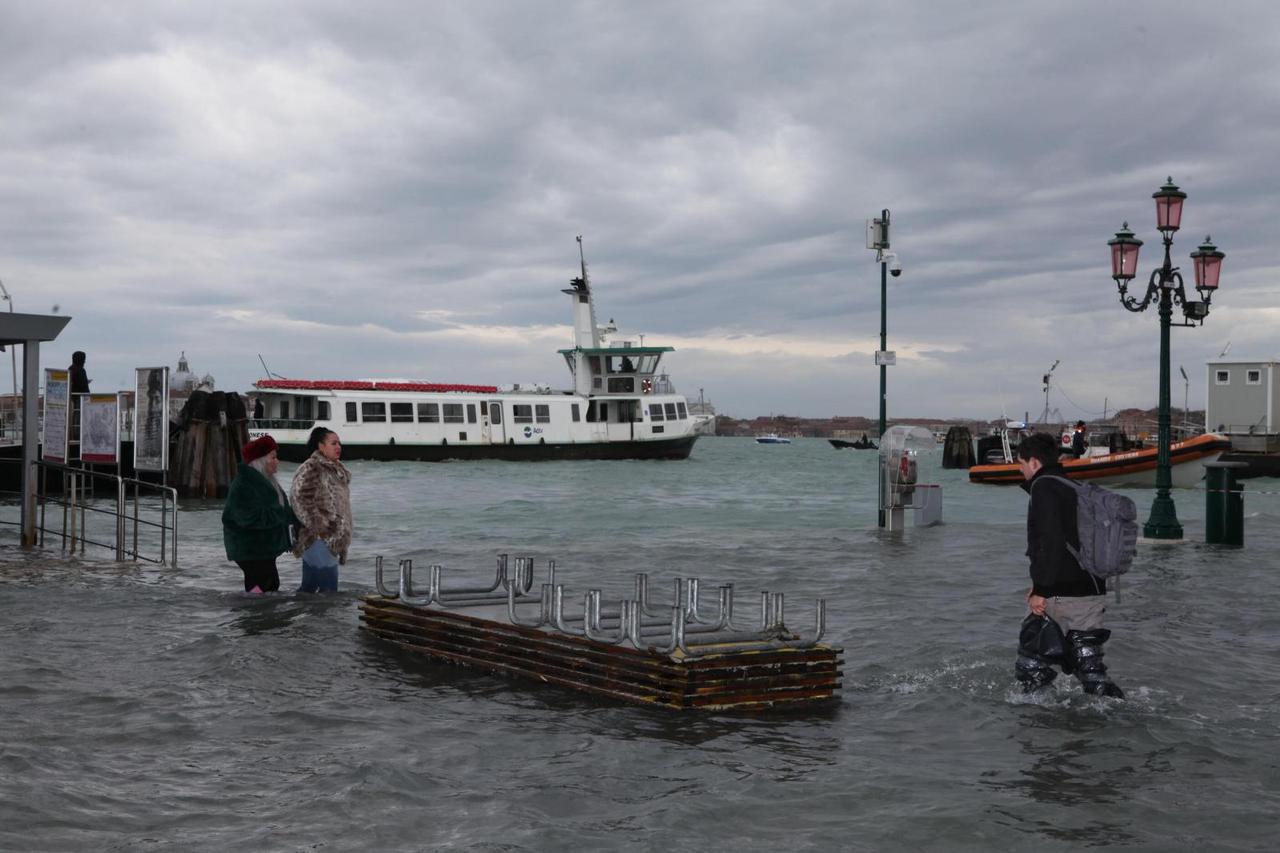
x=1126, y=468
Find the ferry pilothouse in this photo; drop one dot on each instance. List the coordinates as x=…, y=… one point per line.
x=620, y=407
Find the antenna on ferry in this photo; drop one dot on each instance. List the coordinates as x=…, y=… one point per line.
x=583, y=258
x=267, y=369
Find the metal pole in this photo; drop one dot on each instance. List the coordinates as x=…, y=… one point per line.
x=1163, y=523
x=884, y=346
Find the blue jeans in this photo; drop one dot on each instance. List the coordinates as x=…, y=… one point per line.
x=319, y=569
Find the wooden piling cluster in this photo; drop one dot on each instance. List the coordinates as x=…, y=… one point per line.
x=212, y=428
x=732, y=680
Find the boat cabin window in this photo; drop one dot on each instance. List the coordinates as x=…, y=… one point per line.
x=471, y=413
x=543, y=412
x=521, y=414
x=594, y=362
x=1222, y=377
x=595, y=383
x=402, y=413
x=628, y=411
x=671, y=411
x=351, y=413
x=495, y=413
x=655, y=412
x=322, y=410
x=620, y=364
x=373, y=412
x=1253, y=377
x=597, y=412
x=284, y=410
x=622, y=385
x=428, y=413
x=648, y=364
x=575, y=412
x=304, y=408
x=684, y=413
x=452, y=413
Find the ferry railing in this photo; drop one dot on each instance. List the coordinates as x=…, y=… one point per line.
x=106, y=511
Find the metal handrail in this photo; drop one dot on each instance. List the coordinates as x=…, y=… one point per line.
x=79, y=499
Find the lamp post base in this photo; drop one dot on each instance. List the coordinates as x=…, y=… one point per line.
x=1163, y=523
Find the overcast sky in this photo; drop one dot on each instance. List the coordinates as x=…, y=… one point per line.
x=382, y=189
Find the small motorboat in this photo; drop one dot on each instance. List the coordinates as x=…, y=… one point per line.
x=1128, y=468
x=863, y=443
x=772, y=438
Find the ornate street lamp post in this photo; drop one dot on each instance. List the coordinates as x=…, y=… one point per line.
x=1166, y=290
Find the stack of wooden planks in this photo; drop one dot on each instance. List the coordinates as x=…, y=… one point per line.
x=732, y=679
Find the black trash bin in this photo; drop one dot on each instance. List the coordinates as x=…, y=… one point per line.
x=1224, y=504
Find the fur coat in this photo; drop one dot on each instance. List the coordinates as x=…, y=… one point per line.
x=321, y=498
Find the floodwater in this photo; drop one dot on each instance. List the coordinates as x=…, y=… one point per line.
x=159, y=708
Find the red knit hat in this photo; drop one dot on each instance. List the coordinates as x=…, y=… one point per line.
x=257, y=448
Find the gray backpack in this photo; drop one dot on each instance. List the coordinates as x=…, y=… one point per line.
x=1108, y=527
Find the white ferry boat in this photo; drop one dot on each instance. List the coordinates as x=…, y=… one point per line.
x=620, y=408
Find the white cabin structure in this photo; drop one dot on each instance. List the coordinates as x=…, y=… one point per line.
x=1243, y=403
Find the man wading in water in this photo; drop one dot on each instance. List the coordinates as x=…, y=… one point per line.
x=1064, y=598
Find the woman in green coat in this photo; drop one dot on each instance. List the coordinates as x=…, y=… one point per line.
x=256, y=519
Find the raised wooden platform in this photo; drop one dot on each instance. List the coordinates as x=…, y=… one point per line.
x=729, y=676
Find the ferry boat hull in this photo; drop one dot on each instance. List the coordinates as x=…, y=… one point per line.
x=675, y=448
x=1128, y=468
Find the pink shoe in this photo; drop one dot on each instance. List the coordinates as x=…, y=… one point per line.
x=257, y=590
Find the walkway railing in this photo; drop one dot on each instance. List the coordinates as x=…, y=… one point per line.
x=81, y=507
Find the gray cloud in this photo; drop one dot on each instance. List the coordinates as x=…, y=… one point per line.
x=349, y=190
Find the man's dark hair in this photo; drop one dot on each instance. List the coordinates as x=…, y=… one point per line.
x=1039, y=445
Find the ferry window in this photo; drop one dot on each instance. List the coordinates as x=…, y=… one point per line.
x=402, y=413
x=428, y=413
x=495, y=413
x=592, y=416
x=648, y=363
x=622, y=385
x=304, y=408
x=604, y=412
x=1253, y=377
x=373, y=412
x=595, y=382
x=322, y=411
x=452, y=413
x=1222, y=377
x=284, y=410
x=659, y=429
x=671, y=411
x=594, y=361
x=655, y=412
x=543, y=411
x=471, y=413
x=684, y=413
x=621, y=364
x=351, y=413
x=462, y=436
x=575, y=412
x=521, y=414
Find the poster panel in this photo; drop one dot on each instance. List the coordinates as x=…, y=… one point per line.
x=57, y=414
x=100, y=428
x=151, y=420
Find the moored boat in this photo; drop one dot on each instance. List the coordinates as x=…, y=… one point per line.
x=619, y=408
x=1130, y=467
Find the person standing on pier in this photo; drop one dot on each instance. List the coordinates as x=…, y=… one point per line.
x=256, y=518
x=1061, y=591
x=321, y=496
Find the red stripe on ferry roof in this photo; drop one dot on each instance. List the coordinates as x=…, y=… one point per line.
x=365, y=385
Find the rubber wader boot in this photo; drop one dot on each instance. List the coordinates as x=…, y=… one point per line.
x=1086, y=651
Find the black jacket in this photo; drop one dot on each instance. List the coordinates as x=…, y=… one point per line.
x=1051, y=526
